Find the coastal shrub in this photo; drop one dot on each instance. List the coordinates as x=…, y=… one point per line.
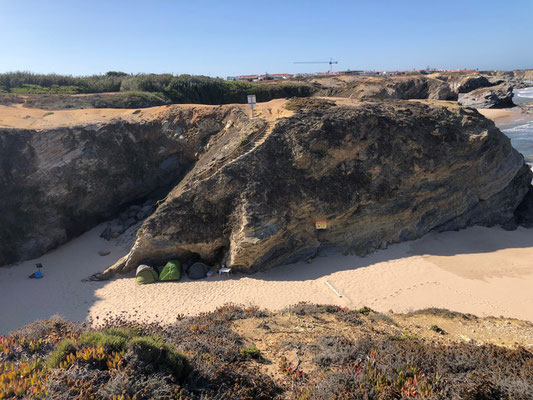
x=169, y=88
x=145, y=82
x=159, y=356
x=112, y=100
x=27, y=82
x=40, y=329
x=110, y=341
x=376, y=317
x=304, y=308
x=441, y=312
x=203, y=357
x=350, y=316
x=125, y=386
x=385, y=368
x=7, y=99
x=365, y=310
x=335, y=350
x=66, y=347
x=37, y=89
x=436, y=328
x=251, y=352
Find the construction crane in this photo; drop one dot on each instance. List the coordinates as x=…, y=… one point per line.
x=330, y=62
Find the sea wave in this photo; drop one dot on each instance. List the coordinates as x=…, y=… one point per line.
x=525, y=128
x=524, y=93
x=522, y=139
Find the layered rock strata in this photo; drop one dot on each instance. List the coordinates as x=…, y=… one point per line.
x=375, y=172
x=58, y=181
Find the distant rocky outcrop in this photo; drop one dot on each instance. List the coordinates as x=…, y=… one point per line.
x=394, y=87
x=56, y=183
x=374, y=172
x=484, y=90
x=465, y=84
x=518, y=79
x=500, y=96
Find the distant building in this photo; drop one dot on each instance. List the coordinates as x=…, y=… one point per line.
x=276, y=77
x=350, y=72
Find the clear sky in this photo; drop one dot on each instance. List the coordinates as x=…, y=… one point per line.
x=220, y=38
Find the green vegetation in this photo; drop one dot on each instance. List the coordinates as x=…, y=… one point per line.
x=251, y=352
x=66, y=347
x=365, y=310
x=110, y=100
x=167, y=88
x=341, y=354
x=439, y=330
x=37, y=89
x=27, y=82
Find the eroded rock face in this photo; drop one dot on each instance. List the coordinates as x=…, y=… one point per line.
x=524, y=212
x=56, y=183
x=395, y=87
x=377, y=172
x=500, y=96
x=465, y=84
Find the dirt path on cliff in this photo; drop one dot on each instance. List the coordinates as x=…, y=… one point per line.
x=483, y=271
x=18, y=117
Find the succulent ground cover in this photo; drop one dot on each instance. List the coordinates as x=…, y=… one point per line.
x=304, y=352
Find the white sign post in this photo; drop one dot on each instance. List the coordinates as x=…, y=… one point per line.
x=252, y=102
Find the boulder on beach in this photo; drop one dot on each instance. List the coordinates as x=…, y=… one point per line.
x=500, y=96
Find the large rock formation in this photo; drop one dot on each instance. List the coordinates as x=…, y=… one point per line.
x=500, y=96
x=438, y=86
x=394, y=87
x=465, y=84
x=518, y=79
x=58, y=180
x=377, y=172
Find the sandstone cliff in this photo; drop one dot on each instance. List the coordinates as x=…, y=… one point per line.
x=466, y=83
x=62, y=174
x=377, y=172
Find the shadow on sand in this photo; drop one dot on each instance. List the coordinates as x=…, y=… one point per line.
x=61, y=291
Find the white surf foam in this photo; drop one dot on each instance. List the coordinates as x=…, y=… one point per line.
x=522, y=139
x=526, y=93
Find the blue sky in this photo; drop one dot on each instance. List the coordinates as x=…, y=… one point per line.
x=220, y=38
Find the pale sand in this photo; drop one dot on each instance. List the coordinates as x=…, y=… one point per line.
x=506, y=116
x=19, y=117
x=484, y=271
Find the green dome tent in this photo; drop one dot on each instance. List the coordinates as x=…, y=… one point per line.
x=171, y=271
x=145, y=274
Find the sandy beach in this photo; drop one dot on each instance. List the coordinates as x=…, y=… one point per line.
x=506, y=116
x=484, y=271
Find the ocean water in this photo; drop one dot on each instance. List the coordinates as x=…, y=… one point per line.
x=521, y=136
x=523, y=95
x=521, y=133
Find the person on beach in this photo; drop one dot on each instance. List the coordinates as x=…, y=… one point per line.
x=37, y=274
